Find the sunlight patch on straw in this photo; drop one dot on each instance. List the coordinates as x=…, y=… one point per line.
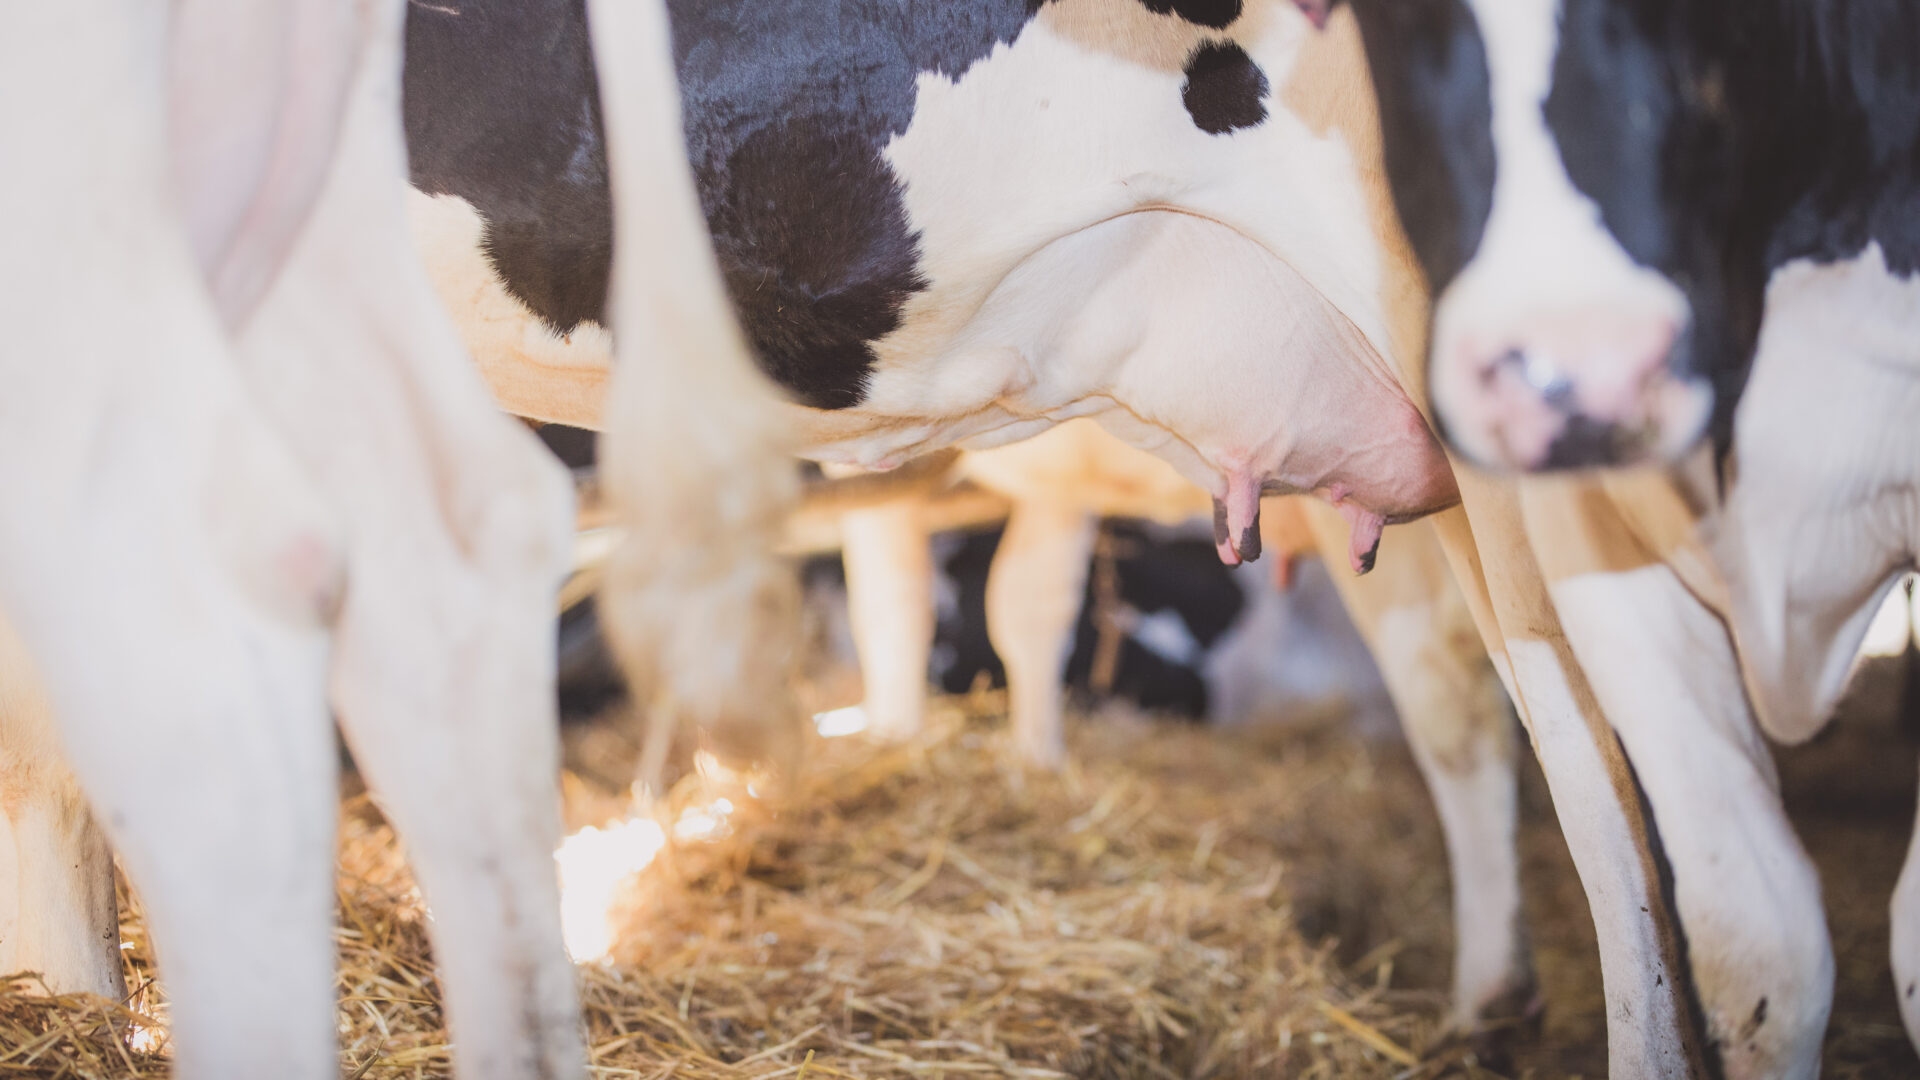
x=839, y=723
x=594, y=862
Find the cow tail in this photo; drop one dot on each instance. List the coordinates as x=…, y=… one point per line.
x=696, y=458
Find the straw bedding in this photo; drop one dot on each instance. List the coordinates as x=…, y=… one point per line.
x=1181, y=903
x=923, y=911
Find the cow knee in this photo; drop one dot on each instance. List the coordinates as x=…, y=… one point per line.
x=1764, y=974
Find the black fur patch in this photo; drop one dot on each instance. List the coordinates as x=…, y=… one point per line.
x=1218, y=14
x=1436, y=115
x=501, y=110
x=788, y=104
x=1225, y=89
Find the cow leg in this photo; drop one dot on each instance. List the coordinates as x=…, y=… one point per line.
x=1663, y=666
x=458, y=532
x=1649, y=1030
x=63, y=922
x=890, y=598
x=162, y=557
x=1034, y=595
x=1461, y=732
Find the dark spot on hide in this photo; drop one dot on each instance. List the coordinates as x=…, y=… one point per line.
x=1757, y=1020
x=819, y=280
x=1224, y=89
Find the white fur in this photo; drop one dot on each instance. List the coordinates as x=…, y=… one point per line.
x=162, y=556
x=1644, y=1009
x=58, y=914
x=1747, y=893
x=1823, y=518
x=1904, y=931
x=457, y=529
x=1462, y=738
x=1891, y=631
x=890, y=603
x=1499, y=566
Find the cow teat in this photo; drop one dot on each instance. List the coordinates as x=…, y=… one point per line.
x=1236, y=519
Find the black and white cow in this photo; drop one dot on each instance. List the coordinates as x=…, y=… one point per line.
x=981, y=219
x=962, y=223
x=1645, y=222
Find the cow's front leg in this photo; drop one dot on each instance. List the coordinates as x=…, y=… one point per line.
x=1651, y=1032
x=457, y=533
x=1663, y=666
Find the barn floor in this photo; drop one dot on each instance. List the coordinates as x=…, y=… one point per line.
x=1183, y=902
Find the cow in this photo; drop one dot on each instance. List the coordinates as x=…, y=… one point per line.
x=965, y=226
x=1645, y=224
x=254, y=484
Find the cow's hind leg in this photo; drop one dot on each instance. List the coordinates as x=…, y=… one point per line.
x=161, y=556
x=1462, y=733
x=64, y=922
x=458, y=529
x=1034, y=594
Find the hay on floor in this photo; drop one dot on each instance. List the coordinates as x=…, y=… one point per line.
x=921, y=911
